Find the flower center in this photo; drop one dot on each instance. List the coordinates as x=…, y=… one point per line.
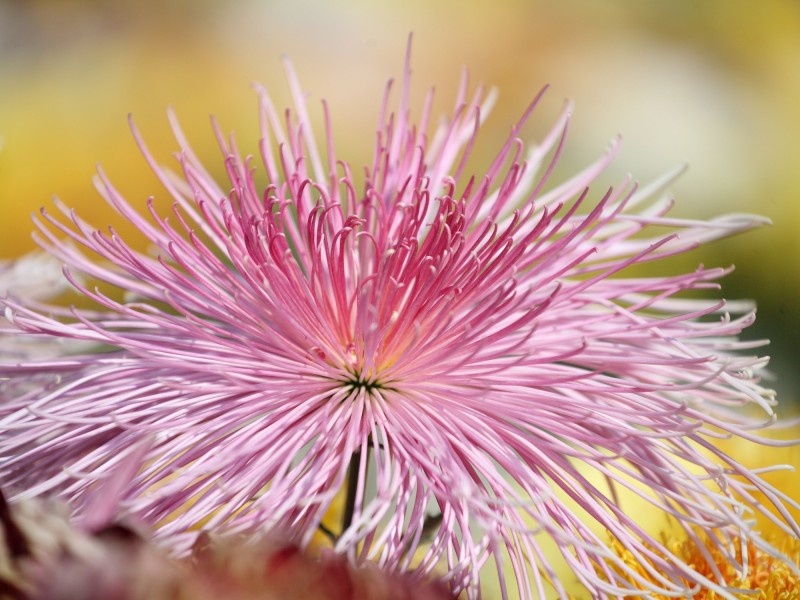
x=363, y=381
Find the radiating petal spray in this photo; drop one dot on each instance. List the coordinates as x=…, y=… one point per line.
x=459, y=356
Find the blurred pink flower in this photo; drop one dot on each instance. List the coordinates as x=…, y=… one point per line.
x=456, y=353
x=43, y=556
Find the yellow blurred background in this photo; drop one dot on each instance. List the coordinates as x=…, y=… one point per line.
x=715, y=83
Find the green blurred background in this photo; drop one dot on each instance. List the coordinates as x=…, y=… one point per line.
x=715, y=83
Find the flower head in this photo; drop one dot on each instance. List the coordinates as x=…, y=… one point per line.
x=451, y=353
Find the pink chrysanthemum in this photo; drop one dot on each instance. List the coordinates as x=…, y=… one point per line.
x=457, y=356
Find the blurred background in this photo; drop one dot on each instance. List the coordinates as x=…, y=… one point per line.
x=715, y=83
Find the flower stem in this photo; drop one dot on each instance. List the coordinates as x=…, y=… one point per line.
x=352, y=488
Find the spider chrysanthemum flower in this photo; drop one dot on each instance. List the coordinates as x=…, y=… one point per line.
x=452, y=354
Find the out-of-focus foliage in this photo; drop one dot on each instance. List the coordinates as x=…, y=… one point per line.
x=713, y=83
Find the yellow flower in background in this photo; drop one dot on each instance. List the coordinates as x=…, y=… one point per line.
x=759, y=576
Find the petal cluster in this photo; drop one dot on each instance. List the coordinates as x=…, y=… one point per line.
x=459, y=355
